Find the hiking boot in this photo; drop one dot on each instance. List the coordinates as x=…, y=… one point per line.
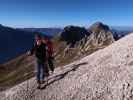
x=51, y=72
x=39, y=86
x=43, y=81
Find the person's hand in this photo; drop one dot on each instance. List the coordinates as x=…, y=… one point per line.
x=28, y=53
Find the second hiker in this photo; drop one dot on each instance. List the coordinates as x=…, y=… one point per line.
x=50, y=53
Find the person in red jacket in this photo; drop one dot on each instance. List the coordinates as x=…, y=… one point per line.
x=49, y=44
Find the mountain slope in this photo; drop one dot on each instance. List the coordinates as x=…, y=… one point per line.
x=13, y=42
x=104, y=75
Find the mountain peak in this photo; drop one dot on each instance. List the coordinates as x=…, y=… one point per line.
x=98, y=25
x=2, y=26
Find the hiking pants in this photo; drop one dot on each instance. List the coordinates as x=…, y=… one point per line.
x=41, y=70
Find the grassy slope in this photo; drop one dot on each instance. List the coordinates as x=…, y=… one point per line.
x=14, y=71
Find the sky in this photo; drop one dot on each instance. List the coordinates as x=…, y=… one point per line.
x=60, y=13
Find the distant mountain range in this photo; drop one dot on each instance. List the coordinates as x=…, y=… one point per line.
x=13, y=42
x=46, y=31
x=119, y=32
x=122, y=28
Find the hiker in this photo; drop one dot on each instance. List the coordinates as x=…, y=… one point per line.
x=50, y=53
x=40, y=50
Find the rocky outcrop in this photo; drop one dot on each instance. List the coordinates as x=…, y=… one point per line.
x=104, y=75
x=100, y=37
x=72, y=34
x=101, y=34
x=97, y=34
x=80, y=42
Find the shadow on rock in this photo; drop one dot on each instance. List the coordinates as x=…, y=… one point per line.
x=61, y=76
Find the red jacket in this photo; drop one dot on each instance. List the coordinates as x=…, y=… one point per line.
x=50, y=48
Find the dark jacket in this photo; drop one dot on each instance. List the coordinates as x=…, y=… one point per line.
x=40, y=51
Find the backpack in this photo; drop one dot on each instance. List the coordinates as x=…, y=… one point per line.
x=50, y=48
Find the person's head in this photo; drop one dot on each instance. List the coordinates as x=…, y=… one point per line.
x=38, y=38
x=45, y=40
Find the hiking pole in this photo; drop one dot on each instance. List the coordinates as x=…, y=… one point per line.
x=27, y=86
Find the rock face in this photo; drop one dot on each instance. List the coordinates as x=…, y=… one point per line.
x=72, y=34
x=101, y=34
x=104, y=75
x=98, y=34
x=100, y=37
x=81, y=42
